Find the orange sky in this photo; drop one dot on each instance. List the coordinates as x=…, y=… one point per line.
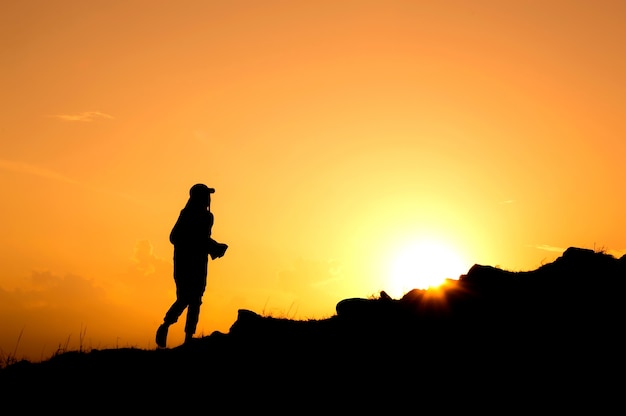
x=337, y=134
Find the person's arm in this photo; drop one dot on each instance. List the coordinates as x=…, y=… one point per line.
x=216, y=249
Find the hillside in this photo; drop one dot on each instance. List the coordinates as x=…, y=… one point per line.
x=551, y=335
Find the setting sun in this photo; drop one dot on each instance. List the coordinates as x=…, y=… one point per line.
x=421, y=265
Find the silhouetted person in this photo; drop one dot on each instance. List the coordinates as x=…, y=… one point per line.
x=191, y=237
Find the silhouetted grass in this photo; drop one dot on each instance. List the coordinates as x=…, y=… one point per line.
x=7, y=359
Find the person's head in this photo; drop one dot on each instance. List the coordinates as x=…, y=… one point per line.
x=200, y=194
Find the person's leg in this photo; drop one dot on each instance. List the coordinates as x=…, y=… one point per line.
x=195, y=300
x=171, y=317
x=173, y=313
x=161, y=335
x=190, y=273
x=193, y=314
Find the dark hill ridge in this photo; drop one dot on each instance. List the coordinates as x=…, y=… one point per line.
x=554, y=333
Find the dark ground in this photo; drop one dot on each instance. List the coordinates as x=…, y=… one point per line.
x=543, y=341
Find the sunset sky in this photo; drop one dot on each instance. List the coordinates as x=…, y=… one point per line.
x=343, y=138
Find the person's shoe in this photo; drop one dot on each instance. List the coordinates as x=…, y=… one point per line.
x=161, y=336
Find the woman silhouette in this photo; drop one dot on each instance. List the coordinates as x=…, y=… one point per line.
x=191, y=237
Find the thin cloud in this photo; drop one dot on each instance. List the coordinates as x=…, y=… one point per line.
x=51, y=305
x=86, y=116
x=146, y=263
x=547, y=247
x=617, y=253
x=29, y=169
x=309, y=274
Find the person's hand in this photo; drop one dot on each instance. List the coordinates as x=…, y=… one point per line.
x=218, y=250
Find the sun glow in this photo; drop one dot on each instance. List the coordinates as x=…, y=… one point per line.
x=423, y=265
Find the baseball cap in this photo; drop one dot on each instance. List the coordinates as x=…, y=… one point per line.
x=200, y=189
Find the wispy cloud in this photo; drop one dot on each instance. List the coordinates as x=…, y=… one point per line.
x=86, y=116
x=30, y=169
x=508, y=201
x=546, y=247
x=613, y=252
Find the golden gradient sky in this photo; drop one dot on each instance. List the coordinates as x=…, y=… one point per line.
x=337, y=134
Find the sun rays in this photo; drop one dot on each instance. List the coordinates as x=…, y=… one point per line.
x=423, y=264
